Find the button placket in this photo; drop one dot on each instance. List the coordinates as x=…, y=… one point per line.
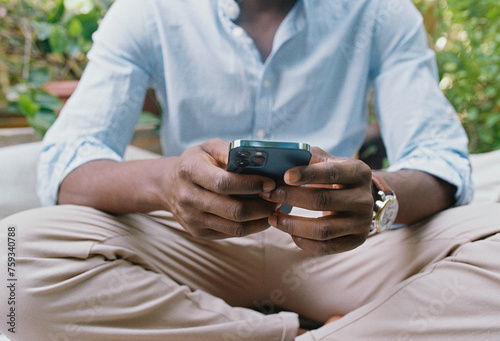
x=263, y=106
x=229, y=12
x=290, y=27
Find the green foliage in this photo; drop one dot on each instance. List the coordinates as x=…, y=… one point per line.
x=37, y=105
x=43, y=41
x=466, y=37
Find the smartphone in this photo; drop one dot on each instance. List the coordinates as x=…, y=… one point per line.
x=268, y=158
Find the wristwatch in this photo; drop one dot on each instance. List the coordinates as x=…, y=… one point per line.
x=385, y=207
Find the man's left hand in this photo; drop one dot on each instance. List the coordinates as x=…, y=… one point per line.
x=341, y=188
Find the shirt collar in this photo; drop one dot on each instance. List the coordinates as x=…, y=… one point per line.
x=231, y=10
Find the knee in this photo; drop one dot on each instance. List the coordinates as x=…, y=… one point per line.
x=37, y=231
x=465, y=223
x=58, y=231
x=45, y=249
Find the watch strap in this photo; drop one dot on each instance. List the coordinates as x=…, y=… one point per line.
x=381, y=184
x=383, y=195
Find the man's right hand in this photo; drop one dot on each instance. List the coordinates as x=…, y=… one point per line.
x=206, y=199
x=195, y=187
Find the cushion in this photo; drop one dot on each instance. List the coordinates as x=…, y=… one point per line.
x=18, y=178
x=18, y=175
x=486, y=176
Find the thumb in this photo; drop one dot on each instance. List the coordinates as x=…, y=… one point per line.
x=218, y=149
x=319, y=155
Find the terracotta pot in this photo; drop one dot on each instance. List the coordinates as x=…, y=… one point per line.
x=61, y=89
x=64, y=89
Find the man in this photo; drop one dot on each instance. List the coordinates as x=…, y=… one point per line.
x=169, y=249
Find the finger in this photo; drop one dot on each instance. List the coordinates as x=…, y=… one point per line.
x=323, y=198
x=332, y=226
x=207, y=226
x=218, y=149
x=341, y=171
x=204, y=169
x=329, y=170
x=232, y=208
x=341, y=244
x=234, y=229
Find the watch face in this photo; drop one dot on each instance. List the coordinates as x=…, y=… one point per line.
x=388, y=214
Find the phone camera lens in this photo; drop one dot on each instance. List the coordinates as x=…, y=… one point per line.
x=241, y=163
x=243, y=155
x=258, y=160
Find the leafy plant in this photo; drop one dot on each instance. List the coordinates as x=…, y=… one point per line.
x=466, y=37
x=36, y=104
x=43, y=41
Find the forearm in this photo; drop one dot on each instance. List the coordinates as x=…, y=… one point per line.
x=116, y=187
x=419, y=194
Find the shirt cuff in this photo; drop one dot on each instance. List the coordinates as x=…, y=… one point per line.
x=57, y=161
x=453, y=169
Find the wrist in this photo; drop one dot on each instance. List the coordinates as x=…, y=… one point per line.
x=385, y=207
x=411, y=186
x=161, y=183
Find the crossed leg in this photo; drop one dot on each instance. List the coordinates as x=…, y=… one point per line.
x=86, y=275
x=434, y=280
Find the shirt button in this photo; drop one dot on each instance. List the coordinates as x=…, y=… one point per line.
x=266, y=83
x=237, y=32
x=261, y=133
x=232, y=10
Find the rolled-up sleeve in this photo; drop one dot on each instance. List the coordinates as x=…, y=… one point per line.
x=99, y=119
x=420, y=128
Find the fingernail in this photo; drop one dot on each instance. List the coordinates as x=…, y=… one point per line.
x=265, y=195
x=293, y=176
x=273, y=220
x=268, y=186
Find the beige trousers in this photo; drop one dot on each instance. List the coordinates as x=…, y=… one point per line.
x=75, y=273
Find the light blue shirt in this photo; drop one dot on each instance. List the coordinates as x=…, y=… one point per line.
x=211, y=82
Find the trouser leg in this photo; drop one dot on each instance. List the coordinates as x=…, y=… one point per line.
x=91, y=279
x=437, y=280
x=85, y=275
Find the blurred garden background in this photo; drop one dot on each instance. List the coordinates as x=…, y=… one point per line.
x=47, y=40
